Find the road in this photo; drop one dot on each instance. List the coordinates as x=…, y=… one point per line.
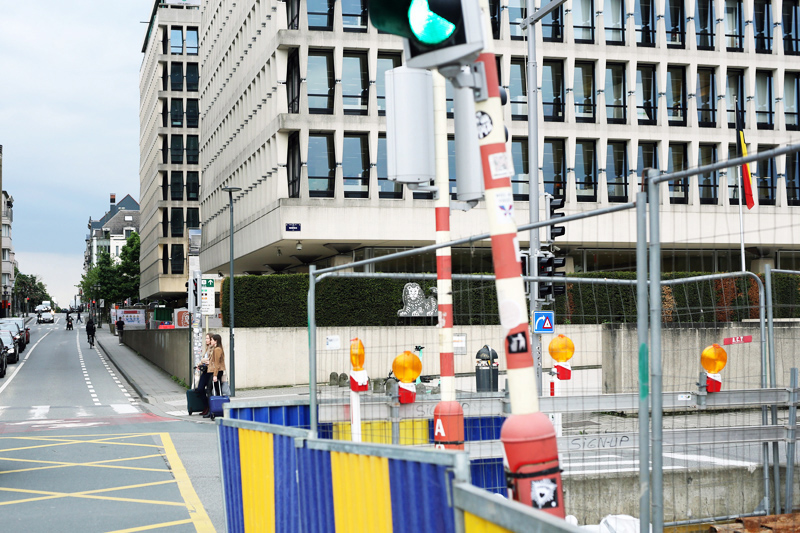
x=80, y=452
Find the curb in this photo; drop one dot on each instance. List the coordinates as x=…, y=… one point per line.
x=142, y=394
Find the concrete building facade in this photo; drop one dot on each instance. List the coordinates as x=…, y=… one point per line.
x=110, y=233
x=169, y=169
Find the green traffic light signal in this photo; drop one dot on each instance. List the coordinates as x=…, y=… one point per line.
x=417, y=20
x=426, y=25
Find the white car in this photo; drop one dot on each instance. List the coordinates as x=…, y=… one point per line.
x=46, y=315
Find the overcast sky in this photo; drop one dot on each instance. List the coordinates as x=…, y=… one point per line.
x=69, y=124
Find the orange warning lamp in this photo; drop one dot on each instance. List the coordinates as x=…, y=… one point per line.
x=714, y=358
x=407, y=367
x=561, y=348
x=357, y=354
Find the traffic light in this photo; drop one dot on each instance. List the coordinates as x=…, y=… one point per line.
x=544, y=268
x=553, y=204
x=437, y=32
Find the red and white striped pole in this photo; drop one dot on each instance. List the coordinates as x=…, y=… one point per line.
x=528, y=436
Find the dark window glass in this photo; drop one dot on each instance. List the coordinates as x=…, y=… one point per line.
x=646, y=94
x=165, y=77
x=192, y=217
x=386, y=188
x=293, y=81
x=673, y=21
x=293, y=165
x=704, y=24
x=733, y=177
x=192, y=113
x=706, y=98
x=164, y=150
x=165, y=259
x=354, y=15
x=793, y=178
x=164, y=186
x=614, y=16
x=192, y=77
x=176, y=41
x=517, y=89
x=584, y=92
x=192, y=149
x=192, y=42
x=645, y=21
x=177, y=259
x=176, y=77
x=321, y=166
x=520, y=181
x=553, y=90
x=553, y=26
x=791, y=100
x=176, y=149
x=583, y=20
x=320, y=82
x=193, y=186
x=707, y=181
x=791, y=27
x=176, y=214
x=734, y=33
x=293, y=14
x=647, y=158
x=176, y=113
x=617, y=171
x=165, y=223
x=678, y=189
x=764, y=115
x=676, y=96
x=554, y=167
x=385, y=63
x=616, y=94
x=762, y=21
x=494, y=14
x=585, y=171
x=355, y=166
x=734, y=97
x=765, y=178
x=176, y=185
x=355, y=84
x=320, y=14
x=516, y=14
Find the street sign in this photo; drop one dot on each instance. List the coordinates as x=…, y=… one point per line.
x=737, y=340
x=544, y=321
x=207, y=296
x=293, y=226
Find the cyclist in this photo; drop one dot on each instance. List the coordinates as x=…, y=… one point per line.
x=90, y=330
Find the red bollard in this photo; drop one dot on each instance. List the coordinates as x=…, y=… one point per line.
x=533, y=473
x=448, y=426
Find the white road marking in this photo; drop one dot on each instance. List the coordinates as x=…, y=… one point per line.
x=708, y=459
x=21, y=363
x=39, y=412
x=612, y=471
x=124, y=408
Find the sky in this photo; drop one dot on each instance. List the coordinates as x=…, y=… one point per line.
x=69, y=125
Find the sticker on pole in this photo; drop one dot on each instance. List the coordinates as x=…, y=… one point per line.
x=501, y=165
x=737, y=340
x=544, y=321
x=485, y=124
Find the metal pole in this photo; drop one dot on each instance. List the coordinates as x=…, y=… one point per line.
x=790, y=441
x=230, y=302
x=644, y=366
x=312, y=349
x=770, y=338
x=741, y=217
x=655, y=349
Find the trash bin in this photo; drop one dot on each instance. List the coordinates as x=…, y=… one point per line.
x=486, y=370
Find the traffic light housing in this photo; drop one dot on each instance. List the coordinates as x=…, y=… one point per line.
x=436, y=32
x=551, y=212
x=545, y=268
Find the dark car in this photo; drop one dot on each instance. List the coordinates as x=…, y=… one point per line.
x=21, y=323
x=16, y=330
x=3, y=360
x=10, y=348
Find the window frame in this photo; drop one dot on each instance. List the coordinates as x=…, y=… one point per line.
x=380, y=78
x=794, y=78
x=328, y=109
x=740, y=96
x=517, y=12
x=709, y=34
x=520, y=181
x=518, y=102
x=361, y=18
x=361, y=181
x=553, y=26
x=609, y=91
x=680, y=119
x=763, y=18
x=645, y=32
x=591, y=97
x=675, y=12
x=651, y=112
x=734, y=39
x=329, y=190
x=176, y=185
x=363, y=96
x=176, y=77
x=293, y=81
x=589, y=181
x=678, y=189
x=712, y=176
x=710, y=112
x=176, y=222
x=192, y=77
x=554, y=104
x=172, y=46
x=790, y=18
x=176, y=259
x=765, y=112
x=555, y=148
x=766, y=166
x=618, y=31
x=387, y=189
x=193, y=50
x=793, y=178
x=620, y=182
x=587, y=32
x=192, y=186
x=176, y=149
x=319, y=16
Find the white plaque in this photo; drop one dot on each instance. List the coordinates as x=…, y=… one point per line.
x=332, y=342
x=459, y=344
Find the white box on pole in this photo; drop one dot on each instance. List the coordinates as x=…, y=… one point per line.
x=410, y=153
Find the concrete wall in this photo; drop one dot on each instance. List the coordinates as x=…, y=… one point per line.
x=168, y=349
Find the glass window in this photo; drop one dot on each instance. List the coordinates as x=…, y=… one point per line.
x=320, y=14
x=793, y=178
x=673, y=21
x=176, y=185
x=293, y=81
x=176, y=40
x=386, y=188
x=449, y=99
x=516, y=14
x=583, y=20
x=176, y=113
x=193, y=186
x=645, y=20
x=676, y=96
x=734, y=97
x=192, y=113
x=553, y=90
x=293, y=165
x=177, y=259
x=765, y=178
x=293, y=14
x=764, y=116
x=614, y=16
x=320, y=83
x=584, y=92
x=355, y=166
x=554, y=167
x=520, y=181
x=734, y=35
x=617, y=171
x=791, y=27
x=451, y=167
x=518, y=94
x=791, y=100
x=646, y=94
x=763, y=26
x=704, y=24
x=647, y=158
x=176, y=149
x=354, y=15
x=733, y=176
x=707, y=181
x=164, y=149
x=678, y=189
x=706, y=98
x=192, y=149
x=192, y=217
x=192, y=77
x=176, y=221
x=494, y=15
x=165, y=260
x=192, y=42
x=585, y=171
x=321, y=166
x=616, y=95
x=176, y=77
x=164, y=185
x=386, y=62
x=355, y=84
x=553, y=26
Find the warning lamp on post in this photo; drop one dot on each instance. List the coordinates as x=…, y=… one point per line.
x=407, y=367
x=714, y=358
x=561, y=349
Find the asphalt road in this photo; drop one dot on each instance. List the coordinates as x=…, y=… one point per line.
x=80, y=452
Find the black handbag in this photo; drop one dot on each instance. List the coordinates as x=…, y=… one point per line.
x=202, y=368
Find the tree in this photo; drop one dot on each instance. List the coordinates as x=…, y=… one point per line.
x=114, y=282
x=128, y=268
x=29, y=286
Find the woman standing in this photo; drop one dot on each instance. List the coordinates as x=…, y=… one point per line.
x=216, y=366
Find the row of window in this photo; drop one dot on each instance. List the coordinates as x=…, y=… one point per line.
x=172, y=221
x=172, y=186
x=177, y=45
x=172, y=79
x=174, y=152
x=179, y=112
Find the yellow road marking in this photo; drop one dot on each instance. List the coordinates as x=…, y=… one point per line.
x=153, y=526
x=198, y=514
x=92, y=494
x=96, y=464
x=58, y=442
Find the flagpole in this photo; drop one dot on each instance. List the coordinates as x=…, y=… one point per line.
x=741, y=216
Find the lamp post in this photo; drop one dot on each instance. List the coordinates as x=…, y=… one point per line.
x=230, y=191
x=97, y=316
x=5, y=300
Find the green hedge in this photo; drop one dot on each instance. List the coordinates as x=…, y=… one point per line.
x=281, y=301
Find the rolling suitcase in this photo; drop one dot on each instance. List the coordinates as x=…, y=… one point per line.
x=215, y=404
x=194, y=402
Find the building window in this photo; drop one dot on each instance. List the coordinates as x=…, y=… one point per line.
x=585, y=171
x=516, y=14
x=704, y=24
x=355, y=84
x=176, y=221
x=494, y=15
x=617, y=171
x=355, y=166
x=176, y=185
x=677, y=162
x=386, y=188
x=293, y=81
x=6, y=230
x=645, y=20
x=164, y=186
x=553, y=26
x=449, y=99
x=734, y=34
x=615, y=91
x=707, y=181
x=614, y=17
x=763, y=26
x=165, y=260
x=791, y=100
x=176, y=149
x=321, y=166
x=554, y=167
x=646, y=94
x=192, y=149
x=791, y=27
x=553, y=90
x=518, y=94
x=793, y=178
x=673, y=21
x=320, y=14
x=293, y=165
x=192, y=217
x=192, y=42
x=192, y=113
x=320, y=83
x=164, y=113
x=176, y=113
x=386, y=62
x=734, y=97
x=647, y=158
x=192, y=77
x=676, y=96
x=176, y=77
x=706, y=98
x=584, y=92
x=177, y=259
x=165, y=223
x=293, y=14
x=6, y=254
x=520, y=181
x=764, y=115
x=765, y=178
x=354, y=15
x=176, y=41
x=165, y=77
x=128, y=233
x=583, y=20
x=164, y=150
x=451, y=167
x=192, y=186
x=733, y=176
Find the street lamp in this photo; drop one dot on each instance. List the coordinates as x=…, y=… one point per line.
x=230, y=191
x=96, y=288
x=5, y=300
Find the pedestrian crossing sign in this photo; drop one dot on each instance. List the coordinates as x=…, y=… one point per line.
x=544, y=321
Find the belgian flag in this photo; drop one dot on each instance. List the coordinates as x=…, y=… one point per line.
x=741, y=151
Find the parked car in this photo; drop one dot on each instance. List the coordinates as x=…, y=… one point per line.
x=3, y=361
x=14, y=328
x=21, y=323
x=10, y=348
